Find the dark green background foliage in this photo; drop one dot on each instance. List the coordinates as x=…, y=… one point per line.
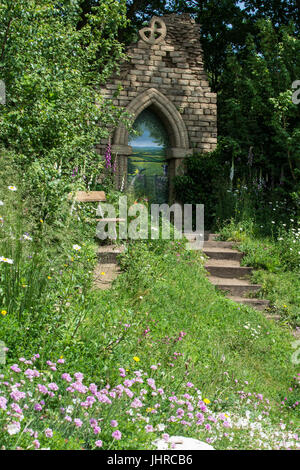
x=54, y=55
x=201, y=183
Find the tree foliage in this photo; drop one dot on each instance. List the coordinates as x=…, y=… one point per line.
x=51, y=71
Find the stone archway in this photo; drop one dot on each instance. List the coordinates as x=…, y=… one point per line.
x=170, y=118
x=165, y=72
x=167, y=112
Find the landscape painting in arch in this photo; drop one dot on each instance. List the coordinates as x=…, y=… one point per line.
x=147, y=166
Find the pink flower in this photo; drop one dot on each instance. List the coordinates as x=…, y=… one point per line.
x=48, y=432
x=78, y=376
x=129, y=393
x=17, y=395
x=15, y=368
x=78, y=387
x=66, y=377
x=31, y=373
x=42, y=389
x=3, y=403
x=114, y=423
x=149, y=428
x=117, y=435
x=98, y=443
x=136, y=403
x=53, y=386
x=36, y=444
x=151, y=383
x=78, y=423
x=16, y=408
x=93, y=389
x=122, y=372
x=189, y=384
x=166, y=437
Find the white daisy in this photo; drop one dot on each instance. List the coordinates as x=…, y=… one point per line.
x=6, y=260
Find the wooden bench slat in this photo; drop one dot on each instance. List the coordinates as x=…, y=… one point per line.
x=92, y=196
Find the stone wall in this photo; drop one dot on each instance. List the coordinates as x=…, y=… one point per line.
x=165, y=72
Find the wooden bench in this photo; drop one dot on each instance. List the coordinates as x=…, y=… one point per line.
x=92, y=196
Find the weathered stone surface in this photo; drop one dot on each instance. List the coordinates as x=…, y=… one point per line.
x=165, y=72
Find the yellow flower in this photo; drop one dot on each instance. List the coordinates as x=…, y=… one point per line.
x=136, y=359
x=207, y=401
x=148, y=410
x=41, y=220
x=61, y=357
x=102, y=274
x=226, y=416
x=49, y=277
x=285, y=306
x=3, y=312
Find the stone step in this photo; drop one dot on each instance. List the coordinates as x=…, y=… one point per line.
x=236, y=287
x=191, y=236
x=209, y=244
x=227, y=269
x=273, y=317
x=105, y=274
x=222, y=253
x=109, y=253
x=258, y=304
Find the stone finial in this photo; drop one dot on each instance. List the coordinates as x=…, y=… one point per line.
x=155, y=33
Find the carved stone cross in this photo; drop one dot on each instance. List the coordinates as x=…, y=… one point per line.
x=155, y=33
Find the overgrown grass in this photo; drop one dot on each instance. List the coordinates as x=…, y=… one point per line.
x=162, y=317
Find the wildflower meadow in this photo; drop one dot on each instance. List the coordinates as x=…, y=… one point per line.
x=134, y=344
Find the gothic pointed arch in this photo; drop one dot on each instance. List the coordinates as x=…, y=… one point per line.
x=169, y=116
